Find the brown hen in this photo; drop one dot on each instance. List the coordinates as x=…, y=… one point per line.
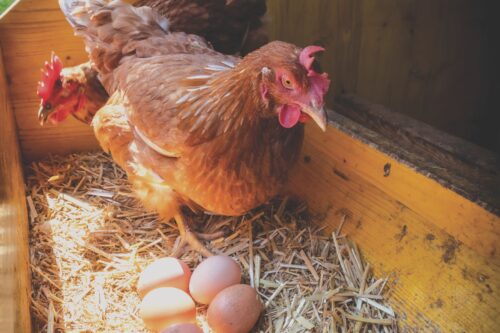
x=192, y=126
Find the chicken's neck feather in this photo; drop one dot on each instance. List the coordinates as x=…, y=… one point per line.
x=224, y=102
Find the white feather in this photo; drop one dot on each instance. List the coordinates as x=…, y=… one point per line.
x=154, y=146
x=228, y=63
x=216, y=68
x=265, y=71
x=197, y=77
x=183, y=98
x=197, y=88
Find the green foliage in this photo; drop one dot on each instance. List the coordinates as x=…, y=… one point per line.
x=4, y=4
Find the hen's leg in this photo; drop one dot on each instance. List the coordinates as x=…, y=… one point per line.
x=188, y=237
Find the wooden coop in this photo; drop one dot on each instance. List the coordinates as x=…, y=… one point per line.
x=422, y=205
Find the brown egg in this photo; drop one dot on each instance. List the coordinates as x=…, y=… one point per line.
x=212, y=276
x=234, y=310
x=164, y=272
x=183, y=328
x=167, y=306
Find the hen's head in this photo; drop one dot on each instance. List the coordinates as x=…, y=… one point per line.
x=291, y=85
x=58, y=99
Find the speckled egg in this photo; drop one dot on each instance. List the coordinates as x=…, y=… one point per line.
x=183, y=328
x=212, y=276
x=164, y=272
x=167, y=306
x=234, y=310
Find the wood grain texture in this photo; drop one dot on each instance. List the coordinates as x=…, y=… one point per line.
x=432, y=60
x=461, y=166
x=28, y=34
x=14, y=254
x=441, y=247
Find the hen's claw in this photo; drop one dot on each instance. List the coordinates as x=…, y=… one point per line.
x=187, y=237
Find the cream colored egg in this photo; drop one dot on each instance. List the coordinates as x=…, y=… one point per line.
x=183, y=328
x=167, y=306
x=234, y=310
x=164, y=272
x=212, y=276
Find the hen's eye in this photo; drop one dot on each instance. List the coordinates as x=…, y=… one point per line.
x=286, y=82
x=47, y=106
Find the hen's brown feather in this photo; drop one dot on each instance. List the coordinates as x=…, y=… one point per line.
x=224, y=157
x=189, y=127
x=116, y=136
x=230, y=26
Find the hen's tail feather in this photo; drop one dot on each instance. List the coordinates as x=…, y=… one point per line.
x=111, y=28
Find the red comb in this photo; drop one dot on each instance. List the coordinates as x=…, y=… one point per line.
x=50, y=73
x=306, y=57
x=319, y=82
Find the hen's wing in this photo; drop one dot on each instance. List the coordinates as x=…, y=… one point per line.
x=170, y=98
x=115, y=135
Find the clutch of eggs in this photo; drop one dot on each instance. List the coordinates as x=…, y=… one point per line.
x=167, y=307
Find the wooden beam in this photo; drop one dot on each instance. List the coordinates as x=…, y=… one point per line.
x=14, y=250
x=457, y=215
x=459, y=165
x=441, y=247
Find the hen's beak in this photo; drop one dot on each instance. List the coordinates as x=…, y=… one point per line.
x=318, y=114
x=43, y=114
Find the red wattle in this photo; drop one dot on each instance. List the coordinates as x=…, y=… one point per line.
x=289, y=115
x=66, y=107
x=304, y=117
x=59, y=116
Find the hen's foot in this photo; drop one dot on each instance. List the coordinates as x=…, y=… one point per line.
x=189, y=238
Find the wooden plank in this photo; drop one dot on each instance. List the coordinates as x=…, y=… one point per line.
x=440, y=246
x=463, y=219
x=28, y=34
x=465, y=168
x=14, y=254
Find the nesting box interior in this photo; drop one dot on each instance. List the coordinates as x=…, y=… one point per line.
x=422, y=205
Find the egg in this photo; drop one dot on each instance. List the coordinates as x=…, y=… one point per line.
x=166, y=306
x=212, y=276
x=164, y=272
x=182, y=328
x=234, y=310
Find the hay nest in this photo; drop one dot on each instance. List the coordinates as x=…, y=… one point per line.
x=90, y=238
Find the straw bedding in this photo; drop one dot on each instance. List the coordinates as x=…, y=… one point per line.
x=90, y=239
